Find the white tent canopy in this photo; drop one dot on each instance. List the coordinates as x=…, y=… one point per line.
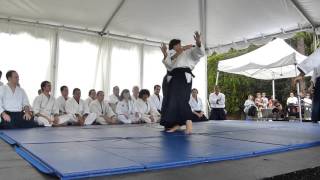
x=274, y=60
x=227, y=22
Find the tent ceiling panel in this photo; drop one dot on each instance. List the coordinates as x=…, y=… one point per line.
x=91, y=14
x=312, y=8
x=231, y=20
x=159, y=19
x=227, y=20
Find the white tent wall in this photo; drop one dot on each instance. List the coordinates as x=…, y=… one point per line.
x=82, y=60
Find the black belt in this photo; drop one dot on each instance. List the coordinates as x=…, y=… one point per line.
x=180, y=70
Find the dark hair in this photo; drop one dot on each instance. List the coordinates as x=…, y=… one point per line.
x=155, y=86
x=122, y=94
x=194, y=89
x=43, y=84
x=74, y=90
x=62, y=88
x=144, y=92
x=99, y=92
x=91, y=90
x=9, y=74
x=0, y=74
x=173, y=42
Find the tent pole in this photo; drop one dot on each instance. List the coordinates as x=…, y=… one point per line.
x=217, y=78
x=273, y=90
x=298, y=93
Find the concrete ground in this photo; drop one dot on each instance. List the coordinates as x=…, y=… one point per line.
x=13, y=167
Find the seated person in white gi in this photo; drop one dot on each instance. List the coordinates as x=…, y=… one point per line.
x=125, y=109
x=78, y=109
x=197, y=107
x=92, y=97
x=156, y=98
x=104, y=113
x=46, y=110
x=14, y=105
x=63, y=99
x=113, y=99
x=143, y=109
x=135, y=93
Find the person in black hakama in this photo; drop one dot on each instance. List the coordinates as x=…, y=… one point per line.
x=179, y=61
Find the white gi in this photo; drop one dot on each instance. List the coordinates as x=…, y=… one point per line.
x=73, y=108
x=196, y=104
x=217, y=101
x=145, y=111
x=48, y=106
x=126, y=113
x=102, y=110
x=61, y=101
x=156, y=101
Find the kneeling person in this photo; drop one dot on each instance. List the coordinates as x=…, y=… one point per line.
x=125, y=109
x=79, y=111
x=46, y=108
x=104, y=113
x=14, y=105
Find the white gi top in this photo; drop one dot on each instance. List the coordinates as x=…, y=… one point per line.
x=125, y=108
x=196, y=104
x=45, y=105
x=217, y=101
x=62, y=104
x=72, y=107
x=113, y=99
x=12, y=101
x=101, y=109
x=155, y=101
x=88, y=101
x=187, y=59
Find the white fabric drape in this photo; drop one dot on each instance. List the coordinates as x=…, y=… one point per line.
x=77, y=62
x=124, y=65
x=27, y=49
x=153, y=68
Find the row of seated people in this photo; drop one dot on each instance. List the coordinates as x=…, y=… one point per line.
x=47, y=111
x=262, y=104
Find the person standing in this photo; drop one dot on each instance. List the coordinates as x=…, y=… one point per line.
x=217, y=103
x=181, y=60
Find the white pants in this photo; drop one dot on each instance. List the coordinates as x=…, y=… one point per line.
x=131, y=119
x=147, y=118
x=88, y=121
x=63, y=119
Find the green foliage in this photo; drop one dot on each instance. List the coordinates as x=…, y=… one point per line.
x=237, y=87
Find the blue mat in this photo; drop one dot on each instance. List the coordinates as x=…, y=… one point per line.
x=78, y=152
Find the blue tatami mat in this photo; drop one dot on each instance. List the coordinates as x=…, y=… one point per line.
x=78, y=152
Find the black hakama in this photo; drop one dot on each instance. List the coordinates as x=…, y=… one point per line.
x=176, y=109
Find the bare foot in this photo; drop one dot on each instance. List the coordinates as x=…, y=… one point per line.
x=188, y=127
x=174, y=129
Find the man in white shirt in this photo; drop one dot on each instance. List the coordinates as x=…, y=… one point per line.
x=92, y=97
x=135, y=93
x=156, y=98
x=46, y=110
x=217, y=103
x=292, y=100
x=312, y=63
x=113, y=99
x=1, y=83
x=104, y=113
x=63, y=99
x=197, y=107
x=15, y=110
x=143, y=109
x=78, y=109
